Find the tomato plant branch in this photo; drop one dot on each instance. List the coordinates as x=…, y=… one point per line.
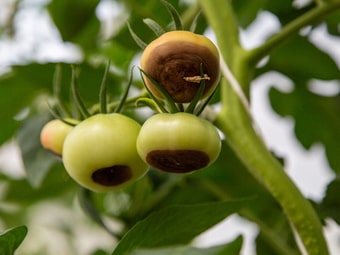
x=292, y=28
x=233, y=120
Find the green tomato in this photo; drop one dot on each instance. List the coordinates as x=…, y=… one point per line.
x=53, y=134
x=100, y=152
x=178, y=143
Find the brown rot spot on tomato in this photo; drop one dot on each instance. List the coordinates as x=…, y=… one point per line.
x=173, y=64
x=112, y=176
x=177, y=161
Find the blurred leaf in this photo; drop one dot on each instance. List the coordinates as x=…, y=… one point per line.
x=19, y=194
x=11, y=239
x=231, y=248
x=330, y=205
x=247, y=10
x=24, y=83
x=316, y=119
x=76, y=21
x=297, y=59
x=176, y=225
x=56, y=184
x=36, y=159
x=120, y=55
x=333, y=22
x=14, y=96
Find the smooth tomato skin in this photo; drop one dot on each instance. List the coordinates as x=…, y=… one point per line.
x=53, y=134
x=102, y=141
x=178, y=131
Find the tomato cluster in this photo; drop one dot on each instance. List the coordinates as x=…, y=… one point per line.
x=107, y=151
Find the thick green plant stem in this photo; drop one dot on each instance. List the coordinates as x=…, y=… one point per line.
x=234, y=121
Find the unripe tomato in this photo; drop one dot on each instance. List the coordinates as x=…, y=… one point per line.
x=53, y=134
x=178, y=143
x=100, y=152
x=174, y=60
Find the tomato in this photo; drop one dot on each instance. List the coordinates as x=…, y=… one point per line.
x=100, y=152
x=53, y=134
x=178, y=143
x=174, y=61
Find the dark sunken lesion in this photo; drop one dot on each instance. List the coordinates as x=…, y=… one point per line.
x=172, y=62
x=112, y=176
x=178, y=161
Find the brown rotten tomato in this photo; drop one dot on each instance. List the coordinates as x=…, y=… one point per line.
x=174, y=60
x=100, y=153
x=178, y=143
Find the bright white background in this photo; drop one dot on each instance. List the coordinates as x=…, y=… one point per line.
x=38, y=40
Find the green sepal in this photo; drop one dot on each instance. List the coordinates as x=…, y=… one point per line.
x=194, y=22
x=136, y=38
x=57, y=116
x=176, y=18
x=144, y=101
x=126, y=92
x=57, y=91
x=170, y=102
x=154, y=26
x=200, y=107
x=79, y=103
x=191, y=107
x=103, y=90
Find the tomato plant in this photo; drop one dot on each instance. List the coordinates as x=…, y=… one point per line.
x=201, y=65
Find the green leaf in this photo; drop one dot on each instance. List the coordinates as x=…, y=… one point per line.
x=297, y=59
x=247, y=10
x=330, y=205
x=316, y=119
x=11, y=239
x=76, y=21
x=176, y=225
x=15, y=95
x=37, y=161
x=231, y=248
x=333, y=22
